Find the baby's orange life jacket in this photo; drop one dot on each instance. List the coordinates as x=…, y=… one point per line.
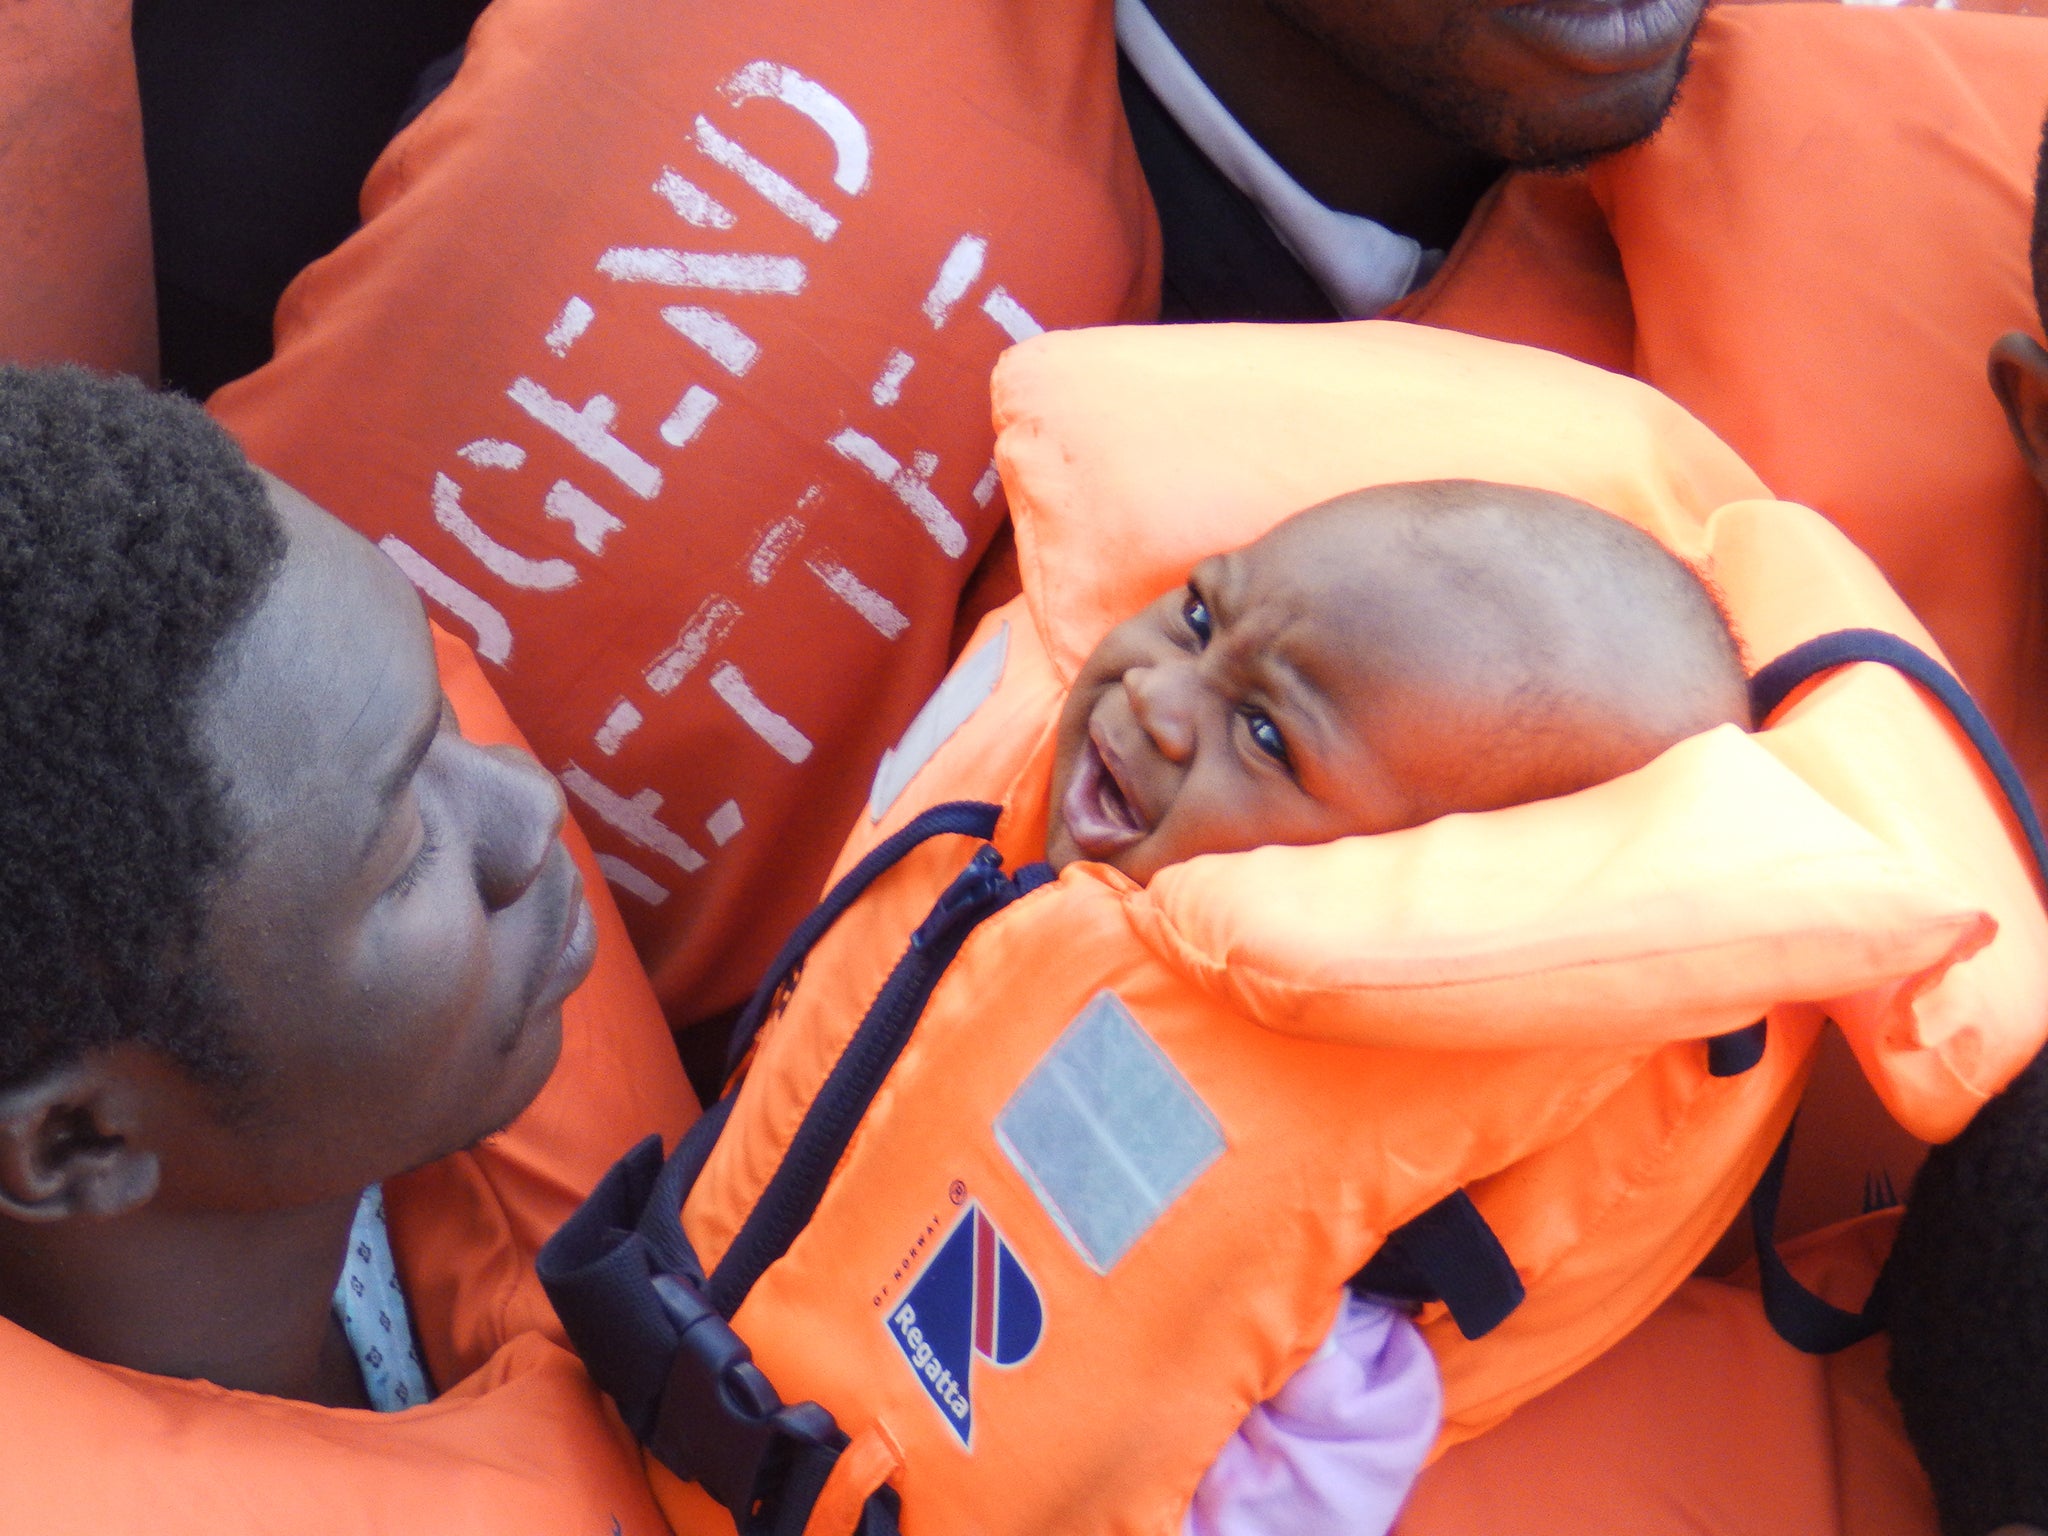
x=1038, y=1185
x=518, y=1442
x=657, y=365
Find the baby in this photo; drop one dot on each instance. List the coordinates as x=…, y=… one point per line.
x=1381, y=660
x=1386, y=658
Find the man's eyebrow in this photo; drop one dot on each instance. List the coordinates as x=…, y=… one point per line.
x=393, y=784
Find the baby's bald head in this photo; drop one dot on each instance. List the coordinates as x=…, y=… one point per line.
x=1385, y=658
x=1573, y=644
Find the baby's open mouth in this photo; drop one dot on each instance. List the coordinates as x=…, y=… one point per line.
x=1100, y=817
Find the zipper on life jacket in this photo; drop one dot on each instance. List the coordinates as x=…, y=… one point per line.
x=792, y=1194
x=627, y=1284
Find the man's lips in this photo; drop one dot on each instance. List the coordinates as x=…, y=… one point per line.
x=1604, y=36
x=570, y=962
x=1101, y=819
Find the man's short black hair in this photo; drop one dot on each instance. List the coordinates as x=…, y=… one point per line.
x=134, y=539
x=1967, y=1306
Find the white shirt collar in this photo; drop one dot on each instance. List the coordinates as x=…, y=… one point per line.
x=1359, y=263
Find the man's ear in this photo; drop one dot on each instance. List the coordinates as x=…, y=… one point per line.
x=2019, y=377
x=68, y=1146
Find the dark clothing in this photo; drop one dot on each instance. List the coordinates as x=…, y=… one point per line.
x=260, y=120
x=262, y=117
x=1222, y=259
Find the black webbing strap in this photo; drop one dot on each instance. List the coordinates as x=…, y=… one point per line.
x=1803, y=1319
x=1447, y=1254
x=632, y=1293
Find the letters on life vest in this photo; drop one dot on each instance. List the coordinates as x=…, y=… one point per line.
x=75, y=283
x=658, y=365
x=1813, y=256
x=1107, y=1196
x=1703, y=1423
x=519, y=1442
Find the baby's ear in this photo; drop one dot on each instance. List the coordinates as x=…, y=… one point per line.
x=2019, y=377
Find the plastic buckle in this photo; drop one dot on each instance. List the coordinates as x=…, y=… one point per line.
x=720, y=1423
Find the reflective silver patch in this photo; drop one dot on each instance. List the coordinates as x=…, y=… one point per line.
x=1107, y=1132
x=964, y=691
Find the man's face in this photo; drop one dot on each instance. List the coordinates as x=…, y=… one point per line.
x=404, y=922
x=1293, y=692
x=1543, y=83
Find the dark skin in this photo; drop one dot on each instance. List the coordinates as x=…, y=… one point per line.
x=1366, y=667
x=399, y=935
x=2018, y=367
x=1405, y=111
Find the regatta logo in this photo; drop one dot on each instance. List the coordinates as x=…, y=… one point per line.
x=974, y=1299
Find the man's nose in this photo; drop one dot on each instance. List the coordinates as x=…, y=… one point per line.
x=1163, y=698
x=521, y=816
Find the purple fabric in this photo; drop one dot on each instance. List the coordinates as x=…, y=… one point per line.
x=1337, y=1448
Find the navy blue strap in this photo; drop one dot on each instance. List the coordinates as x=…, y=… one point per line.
x=969, y=818
x=1774, y=684
x=1802, y=1318
x=1447, y=1254
x=631, y=1291
x=1734, y=1053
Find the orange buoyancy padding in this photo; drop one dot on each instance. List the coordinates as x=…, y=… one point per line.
x=466, y=1228
x=1130, y=454
x=648, y=366
x=1364, y=1026
x=519, y=1441
x=1813, y=255
x=75, y=278
x=525, y=1446
x=1703, y=1422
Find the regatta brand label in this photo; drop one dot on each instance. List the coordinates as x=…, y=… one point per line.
x=973, y=1301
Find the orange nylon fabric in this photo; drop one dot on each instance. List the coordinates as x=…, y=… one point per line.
x=1813, y=256
x=519, y=1442
x=1703, y=1422
x=1510, y=1003
x=75, y=277
x=648, y=366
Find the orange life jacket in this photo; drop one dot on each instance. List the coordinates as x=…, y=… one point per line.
x=75, y=279
x=520, y=1441
x=1108, y=1193
x=1703, y=1422
x=1813, y=256
x=657, y=365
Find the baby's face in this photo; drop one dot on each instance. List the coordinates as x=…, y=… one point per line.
x=1265, y=702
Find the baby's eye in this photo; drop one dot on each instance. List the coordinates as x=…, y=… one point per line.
x=1196, y=613
x=1266, y=737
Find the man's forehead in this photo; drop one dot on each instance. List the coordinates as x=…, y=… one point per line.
x=328, y=678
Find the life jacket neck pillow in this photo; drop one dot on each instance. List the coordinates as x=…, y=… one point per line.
x=1038, y=1185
